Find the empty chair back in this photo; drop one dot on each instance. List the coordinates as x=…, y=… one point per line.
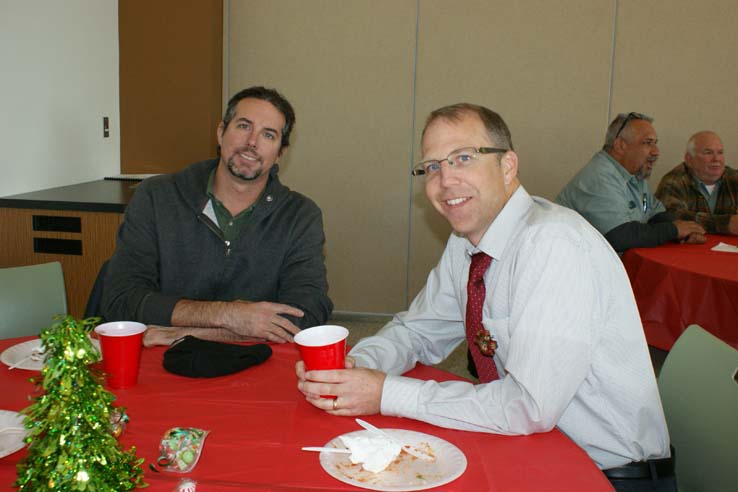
x=699, y=392
x=30, y=297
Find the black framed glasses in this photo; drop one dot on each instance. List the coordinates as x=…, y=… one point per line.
x=630, y=116
x=459, y=158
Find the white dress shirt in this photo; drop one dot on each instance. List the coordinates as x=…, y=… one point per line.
x=571, y=349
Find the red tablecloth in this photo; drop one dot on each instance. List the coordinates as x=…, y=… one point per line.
x=676, y=285
x=258, y=421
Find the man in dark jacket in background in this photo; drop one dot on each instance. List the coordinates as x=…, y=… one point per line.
x=222, y=250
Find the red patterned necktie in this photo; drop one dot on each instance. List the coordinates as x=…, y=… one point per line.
x=476, y=334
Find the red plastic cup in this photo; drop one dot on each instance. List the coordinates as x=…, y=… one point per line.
x=121, y=343
x=323, y=347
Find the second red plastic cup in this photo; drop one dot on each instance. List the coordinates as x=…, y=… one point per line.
x=323, y=347
x=121, y=343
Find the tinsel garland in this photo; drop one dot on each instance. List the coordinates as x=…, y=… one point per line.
x=71, y=444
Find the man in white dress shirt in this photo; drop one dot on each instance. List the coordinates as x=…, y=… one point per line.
x=566, y=338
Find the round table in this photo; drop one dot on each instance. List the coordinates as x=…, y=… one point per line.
x=677, y=285
x=258, y=421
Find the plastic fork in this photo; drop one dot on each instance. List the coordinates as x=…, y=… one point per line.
x=327, y=449
x=34, y=356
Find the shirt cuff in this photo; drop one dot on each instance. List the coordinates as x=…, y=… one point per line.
x=157, y=309
x=362, y=360
x=400, y=396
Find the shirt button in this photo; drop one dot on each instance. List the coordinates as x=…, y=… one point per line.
x=230, y=223
x=269, y=198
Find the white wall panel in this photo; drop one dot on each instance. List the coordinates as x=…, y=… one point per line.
x=59, y=64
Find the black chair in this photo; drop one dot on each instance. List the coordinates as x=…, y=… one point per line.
x=95, y=298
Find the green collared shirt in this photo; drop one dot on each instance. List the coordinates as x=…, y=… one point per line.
x=229, y=225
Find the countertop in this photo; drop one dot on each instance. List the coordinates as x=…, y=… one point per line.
x=92, y=196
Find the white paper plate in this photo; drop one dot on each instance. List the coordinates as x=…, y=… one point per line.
x=11, y=441
x=21, y=353
x=406, y=472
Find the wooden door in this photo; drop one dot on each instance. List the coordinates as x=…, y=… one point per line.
x=170, y=82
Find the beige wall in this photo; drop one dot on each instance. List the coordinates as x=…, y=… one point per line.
x=363, y=75
x=676, y=60
x=347, y=67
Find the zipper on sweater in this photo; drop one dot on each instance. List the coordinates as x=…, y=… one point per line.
x=209, y=223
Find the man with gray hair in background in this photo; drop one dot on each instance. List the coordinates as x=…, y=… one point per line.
x=612, y=193
x=703, y=188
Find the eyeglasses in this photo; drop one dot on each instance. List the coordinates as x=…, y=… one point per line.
x=459, y=158
x=630, y=116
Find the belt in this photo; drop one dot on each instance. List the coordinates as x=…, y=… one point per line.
x=653, y=469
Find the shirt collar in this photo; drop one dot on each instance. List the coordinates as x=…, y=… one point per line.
x=217, y=208
x=211, y=178
x=495, y=239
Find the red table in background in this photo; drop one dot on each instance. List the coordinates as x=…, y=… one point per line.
x=676, y=285
x=258, y=421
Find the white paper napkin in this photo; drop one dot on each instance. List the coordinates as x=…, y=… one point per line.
x=726, y=248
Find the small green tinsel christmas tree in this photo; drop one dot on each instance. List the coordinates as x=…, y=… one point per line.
x=71, y=445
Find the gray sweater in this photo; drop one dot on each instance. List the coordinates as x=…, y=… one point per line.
x=168, y=250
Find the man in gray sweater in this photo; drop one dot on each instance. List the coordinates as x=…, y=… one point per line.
x=222, y=250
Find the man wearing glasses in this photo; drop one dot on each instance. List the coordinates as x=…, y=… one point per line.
x=543, y=302
x=703, y=188
x=612, y=193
